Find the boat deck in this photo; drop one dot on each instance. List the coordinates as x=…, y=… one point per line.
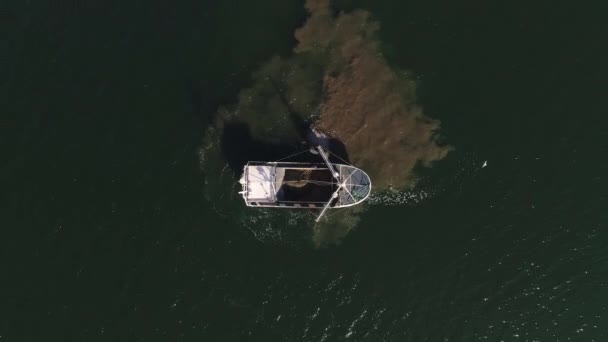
x=305, y=185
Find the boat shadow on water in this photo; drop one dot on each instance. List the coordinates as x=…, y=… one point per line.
x=239, y=147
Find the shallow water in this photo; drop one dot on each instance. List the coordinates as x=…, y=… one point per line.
x=112, y=230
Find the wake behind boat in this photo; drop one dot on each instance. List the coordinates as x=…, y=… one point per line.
x=304, y=185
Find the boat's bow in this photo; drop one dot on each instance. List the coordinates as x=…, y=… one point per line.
x=355, y=186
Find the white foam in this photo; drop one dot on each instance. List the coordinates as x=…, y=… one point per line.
x=394, y=197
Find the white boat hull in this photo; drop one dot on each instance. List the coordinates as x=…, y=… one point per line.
x=303, y=185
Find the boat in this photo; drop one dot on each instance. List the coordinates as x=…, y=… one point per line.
x=298, y=185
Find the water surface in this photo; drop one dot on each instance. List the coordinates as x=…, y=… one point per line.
x=108, y=233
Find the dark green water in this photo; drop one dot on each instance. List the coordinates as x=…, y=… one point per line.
x=106, y=234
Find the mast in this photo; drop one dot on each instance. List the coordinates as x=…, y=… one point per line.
x=336, y=176
x=329, y=165
x=334, y=195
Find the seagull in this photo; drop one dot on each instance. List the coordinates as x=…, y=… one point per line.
x=485, y=163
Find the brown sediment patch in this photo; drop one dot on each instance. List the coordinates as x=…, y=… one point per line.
x=367, y=105
x=338, y=78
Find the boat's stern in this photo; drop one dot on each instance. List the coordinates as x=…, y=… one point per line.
x=243, y=182
x=258, y=184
